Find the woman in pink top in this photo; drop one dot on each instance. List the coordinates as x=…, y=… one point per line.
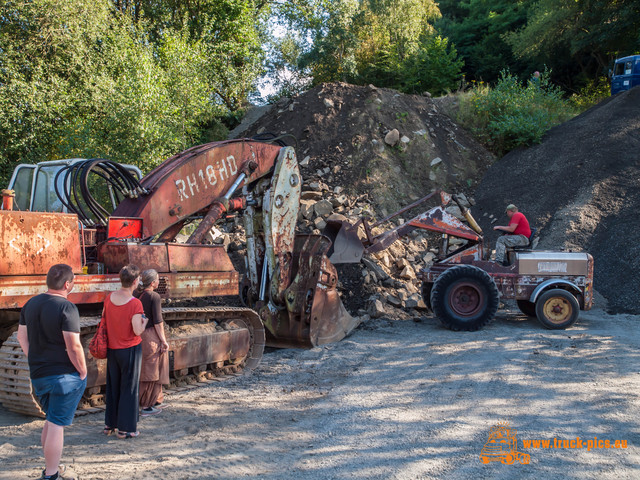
x=125, y=322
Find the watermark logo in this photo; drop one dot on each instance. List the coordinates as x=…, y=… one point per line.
x=502, y=446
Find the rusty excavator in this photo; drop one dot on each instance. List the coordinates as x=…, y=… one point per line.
x=61, y=214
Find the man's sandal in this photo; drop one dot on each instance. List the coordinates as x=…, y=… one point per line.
x=125, y=435
x=108, y=431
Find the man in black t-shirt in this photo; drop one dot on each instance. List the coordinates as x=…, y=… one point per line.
x=49, y=334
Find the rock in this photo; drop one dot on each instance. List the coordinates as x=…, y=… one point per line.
x=305, y=161
x=462, y=198
x=374, y=267
x=336, y=169
x=393, y=300
x=402, y=295
x=402, y=263
x=328, y=103
x=411, y=288
x=323, y=207
x=388, y=282
x=455, y=211
x=410, y=303
x=386, y=261
x=376, y=309
x=436, y=161
x=377, y=146
x=315, y=186
x=311, y=195
x=427, y=94
x=420, y=132
x=291, y=107
x=260, y=130
x=306, y=208
x=408, y=273
x=432, y=176
x=392, y=137
x=405, y=140
x=319, y=223
x=337, y=190
x=429, y=257
x=339, y=200
x=337, y=217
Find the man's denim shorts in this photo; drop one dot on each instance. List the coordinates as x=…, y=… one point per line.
x=59, y=396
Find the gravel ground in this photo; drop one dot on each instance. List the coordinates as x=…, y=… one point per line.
x=397, y=399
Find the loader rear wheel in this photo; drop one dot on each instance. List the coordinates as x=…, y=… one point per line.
x=527, y=307
x=557, y=309
x=464, y=297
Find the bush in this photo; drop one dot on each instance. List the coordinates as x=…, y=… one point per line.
x=513, y=114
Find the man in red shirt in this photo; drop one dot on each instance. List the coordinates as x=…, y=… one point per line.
x=517, y=233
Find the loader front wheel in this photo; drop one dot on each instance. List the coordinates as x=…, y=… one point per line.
x=464, y=297
x=557, y=309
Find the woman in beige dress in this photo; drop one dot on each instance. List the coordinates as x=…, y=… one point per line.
x=155, y=359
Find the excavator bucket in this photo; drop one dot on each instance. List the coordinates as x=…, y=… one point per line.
x=313, y=313
x=346, y=246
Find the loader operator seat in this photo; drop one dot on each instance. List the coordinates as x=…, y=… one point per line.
x=533, y=243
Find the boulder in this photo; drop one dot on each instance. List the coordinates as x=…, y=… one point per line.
x=376, y=309
x=323, y=208
x=392, y=137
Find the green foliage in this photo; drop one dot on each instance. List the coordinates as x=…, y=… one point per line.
x=513, y=114
x=435, y=67
x=477, y=27
x=132, y=82
x=592, y=94
x=385, y=43
x=578, y=38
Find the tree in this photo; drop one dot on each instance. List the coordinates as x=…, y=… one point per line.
x=579, y=38
x=478, y=29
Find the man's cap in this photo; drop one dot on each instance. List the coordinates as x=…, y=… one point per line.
x=511, y=206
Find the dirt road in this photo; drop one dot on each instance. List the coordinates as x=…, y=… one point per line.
x=397, y=399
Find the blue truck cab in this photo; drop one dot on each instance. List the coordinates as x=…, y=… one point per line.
x=625, y=74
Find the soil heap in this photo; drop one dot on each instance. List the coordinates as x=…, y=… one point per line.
x=581, y=188
x=393, y=147
x=370, y=151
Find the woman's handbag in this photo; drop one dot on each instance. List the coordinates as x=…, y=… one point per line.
x=98, y=345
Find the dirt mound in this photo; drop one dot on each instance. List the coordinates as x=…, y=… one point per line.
x=341, y=129
x=581, y=188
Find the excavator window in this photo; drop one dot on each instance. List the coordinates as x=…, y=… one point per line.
x=22, y=182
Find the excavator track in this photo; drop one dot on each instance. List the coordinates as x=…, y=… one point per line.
x=186, y=328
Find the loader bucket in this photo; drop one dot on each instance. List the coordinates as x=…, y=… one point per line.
x=346, y=245
x=314, y=313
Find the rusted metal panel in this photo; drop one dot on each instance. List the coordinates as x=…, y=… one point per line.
x=124, y=229
x=553, y=263
x=193, y=350
x=31, y=242
x=198, y=258
x=439, y=220
x=190, y=181
x=116, y=255
x=90, y=289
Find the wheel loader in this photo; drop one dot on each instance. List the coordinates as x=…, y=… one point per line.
x=463, y=287
x=62, y=214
